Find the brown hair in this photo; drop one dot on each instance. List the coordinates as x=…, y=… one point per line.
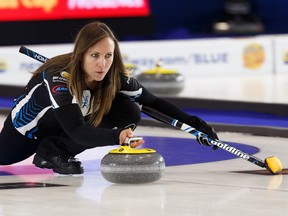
x=102, y=97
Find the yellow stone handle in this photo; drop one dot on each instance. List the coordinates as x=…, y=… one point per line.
x=128, y=140
x=126, y=149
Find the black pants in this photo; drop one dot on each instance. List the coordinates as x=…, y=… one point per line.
x=14, y=147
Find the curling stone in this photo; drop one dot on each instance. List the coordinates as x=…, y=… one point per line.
x=127, y=165
x=159, y=80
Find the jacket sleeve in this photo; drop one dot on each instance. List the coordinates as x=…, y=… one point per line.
x=132, y=89
x=164, y=107
x=71, y=120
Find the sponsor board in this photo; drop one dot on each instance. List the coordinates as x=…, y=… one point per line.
x=20, y=10
x=16, y=68
x=281, y=54
x=209, y=57
x=204, y=57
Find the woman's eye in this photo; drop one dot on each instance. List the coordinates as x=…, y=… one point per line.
x=109, y=55
x=95, y=55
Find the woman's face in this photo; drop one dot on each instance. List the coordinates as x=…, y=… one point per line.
x=98, y=60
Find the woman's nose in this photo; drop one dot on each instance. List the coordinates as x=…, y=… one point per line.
x=101, y=62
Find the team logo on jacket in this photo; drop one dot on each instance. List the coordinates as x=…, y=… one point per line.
x=60, y=89
x=65, y=74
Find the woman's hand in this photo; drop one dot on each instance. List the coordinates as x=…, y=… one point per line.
x=128, y=133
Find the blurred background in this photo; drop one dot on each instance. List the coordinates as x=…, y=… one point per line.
x=157, y=20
